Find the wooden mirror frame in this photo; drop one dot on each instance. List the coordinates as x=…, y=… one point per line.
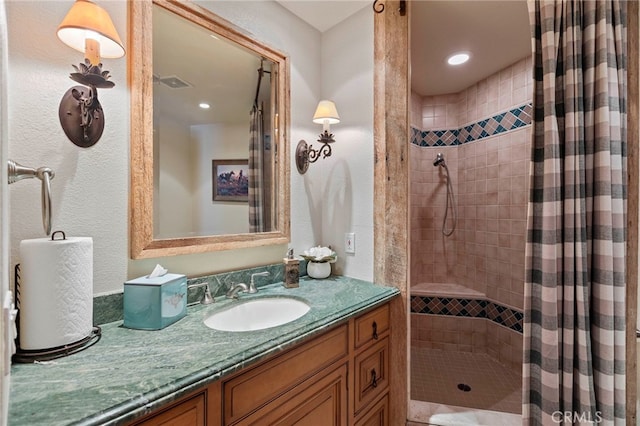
x=140, y=77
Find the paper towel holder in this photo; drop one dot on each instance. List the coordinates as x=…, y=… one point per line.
x=30, y=356
x=53, y=235
x=18, y=172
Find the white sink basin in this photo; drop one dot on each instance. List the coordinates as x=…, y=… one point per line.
x=257, y=314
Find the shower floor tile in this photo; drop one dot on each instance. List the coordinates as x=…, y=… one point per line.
x=436, y=374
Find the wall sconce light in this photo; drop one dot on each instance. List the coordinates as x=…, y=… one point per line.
x=326, y=114
x=87, y=28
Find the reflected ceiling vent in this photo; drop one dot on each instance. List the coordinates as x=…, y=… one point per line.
x=174, y=82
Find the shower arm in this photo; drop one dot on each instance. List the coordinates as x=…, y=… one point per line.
x=18, y=172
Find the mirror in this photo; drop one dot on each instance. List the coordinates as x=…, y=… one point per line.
x=205, y=177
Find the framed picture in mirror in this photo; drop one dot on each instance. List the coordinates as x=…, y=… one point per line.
x=230, y=180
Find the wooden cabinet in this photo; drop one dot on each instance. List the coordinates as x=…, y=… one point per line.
x=338, y=378
x=377, y=415
x=370, y=367
x=199, y=408
x=190, y=412
x=371, y=326
x=318, y=400
x=371, y=374
x=260, y=385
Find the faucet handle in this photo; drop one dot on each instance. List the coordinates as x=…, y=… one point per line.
x=260, y=274
x=207, y=298
x=252, y=284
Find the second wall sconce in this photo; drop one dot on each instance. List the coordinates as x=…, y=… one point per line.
x=87, y=28
x=326, y=114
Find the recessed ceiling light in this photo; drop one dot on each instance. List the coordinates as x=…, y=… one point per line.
x=204, y=105
x=458, y=58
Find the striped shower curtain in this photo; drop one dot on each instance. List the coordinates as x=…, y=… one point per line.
x=256, y=188
x=574, y=330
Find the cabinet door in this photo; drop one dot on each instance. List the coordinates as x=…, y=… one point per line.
x=378, y=415
x=371, y=374
x=188, y=413
x=257, y=386
x=317, y=401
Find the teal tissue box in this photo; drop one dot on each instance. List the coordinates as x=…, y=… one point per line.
x=154, y=303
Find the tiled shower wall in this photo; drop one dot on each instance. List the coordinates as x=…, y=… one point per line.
x=507, y=88
x=492, y=203
x=490, y=182
x=433, y=256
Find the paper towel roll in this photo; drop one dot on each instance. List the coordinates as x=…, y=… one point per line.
x=56, y=291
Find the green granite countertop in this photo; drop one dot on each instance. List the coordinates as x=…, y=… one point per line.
x=129, y=373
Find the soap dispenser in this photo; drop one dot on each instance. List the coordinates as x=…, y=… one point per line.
x=291, y=270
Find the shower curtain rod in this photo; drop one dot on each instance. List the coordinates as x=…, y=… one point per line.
x=261, y=71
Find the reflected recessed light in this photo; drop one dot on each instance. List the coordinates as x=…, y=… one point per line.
x=458, y=58
x=214, y=37
x=204, y=105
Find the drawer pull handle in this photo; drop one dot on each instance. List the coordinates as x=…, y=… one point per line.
x=375, y=330
x=374, y=379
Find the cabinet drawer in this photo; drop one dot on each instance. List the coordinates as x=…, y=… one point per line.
x=370, y=326
x=319, y=400
x=371, y=374
x=189, y=412
x=378, y=415
x=262, y=384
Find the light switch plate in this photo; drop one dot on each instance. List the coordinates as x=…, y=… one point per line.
x=350, y=242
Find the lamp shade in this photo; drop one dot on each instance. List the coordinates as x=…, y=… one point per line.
x=85, y=17
x=326, y=111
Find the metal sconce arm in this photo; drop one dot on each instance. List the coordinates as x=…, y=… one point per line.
x=314, y=155
x=306, y=154
x=325, y=139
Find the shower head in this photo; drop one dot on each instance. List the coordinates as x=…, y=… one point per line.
x=439, y=161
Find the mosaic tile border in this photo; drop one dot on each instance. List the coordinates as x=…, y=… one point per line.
x=470, y=308
x=506, y=121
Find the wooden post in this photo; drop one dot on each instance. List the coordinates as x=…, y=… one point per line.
x=391, y=186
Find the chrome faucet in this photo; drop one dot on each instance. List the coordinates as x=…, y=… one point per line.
x=252, y=284
x=235, y=289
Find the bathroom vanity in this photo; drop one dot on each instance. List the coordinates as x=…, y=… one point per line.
x=330, y=366
x=337, y=378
